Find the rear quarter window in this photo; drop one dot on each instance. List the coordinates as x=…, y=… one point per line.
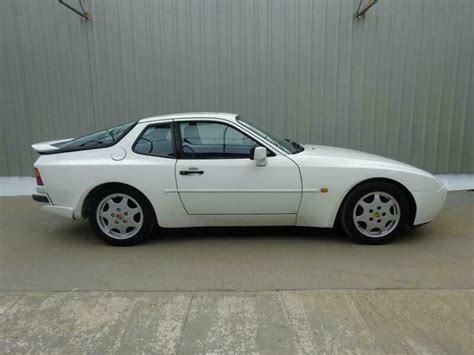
x=156, y=140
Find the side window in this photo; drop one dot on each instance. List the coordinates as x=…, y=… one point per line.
x=213, y=140
x=156, y=140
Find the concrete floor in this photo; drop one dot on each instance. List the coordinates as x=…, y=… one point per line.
x=253, y=290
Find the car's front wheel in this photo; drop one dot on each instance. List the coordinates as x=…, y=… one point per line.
x=374, y=212
x=121, y=216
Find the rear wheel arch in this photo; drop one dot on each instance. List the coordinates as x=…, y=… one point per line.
x=87, y=204
x=406, y=192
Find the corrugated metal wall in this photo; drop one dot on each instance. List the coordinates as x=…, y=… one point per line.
x=398, y=83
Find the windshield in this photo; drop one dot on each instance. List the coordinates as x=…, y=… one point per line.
x=286, y=144
x=100, y=139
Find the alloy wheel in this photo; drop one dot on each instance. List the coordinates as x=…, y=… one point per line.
x=119, y=216
x=376, y=214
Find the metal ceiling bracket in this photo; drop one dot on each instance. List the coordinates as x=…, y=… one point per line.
x=362, y=10
x=85, y=15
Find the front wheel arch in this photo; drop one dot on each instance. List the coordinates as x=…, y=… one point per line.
x=87, y=204
x=406, y=192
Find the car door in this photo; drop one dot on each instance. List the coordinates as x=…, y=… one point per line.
x=215, y=175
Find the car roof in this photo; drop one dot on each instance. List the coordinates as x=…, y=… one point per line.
x=222, y=115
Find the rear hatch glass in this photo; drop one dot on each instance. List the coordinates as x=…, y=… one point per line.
x=100, y=139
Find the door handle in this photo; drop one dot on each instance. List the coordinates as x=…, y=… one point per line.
x=189, y=172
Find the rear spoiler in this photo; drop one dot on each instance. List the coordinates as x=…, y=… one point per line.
x=48, y=147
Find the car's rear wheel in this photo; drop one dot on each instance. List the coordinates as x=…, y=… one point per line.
x=374, y=212
x=121, y=216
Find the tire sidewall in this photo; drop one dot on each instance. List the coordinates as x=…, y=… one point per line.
x=148, y=216
x=360, y=191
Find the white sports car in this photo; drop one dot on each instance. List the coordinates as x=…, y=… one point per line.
x=218, y=169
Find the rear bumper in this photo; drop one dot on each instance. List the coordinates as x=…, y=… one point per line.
x=61, y=211
x=429, y=204
x=41, y=197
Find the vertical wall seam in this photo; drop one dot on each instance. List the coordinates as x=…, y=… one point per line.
x=94, y=117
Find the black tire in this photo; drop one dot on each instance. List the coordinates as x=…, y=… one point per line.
x=349, y=204
x=148, y=221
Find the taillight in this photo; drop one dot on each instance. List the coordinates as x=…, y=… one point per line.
x=39, y=181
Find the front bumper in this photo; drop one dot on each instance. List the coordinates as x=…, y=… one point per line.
x=428, y=204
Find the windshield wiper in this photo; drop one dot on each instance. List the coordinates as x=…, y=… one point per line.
x=298, y=147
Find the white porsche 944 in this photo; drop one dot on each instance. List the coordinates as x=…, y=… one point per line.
x=218, y=169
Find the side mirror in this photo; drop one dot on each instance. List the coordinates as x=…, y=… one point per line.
x=260, y=156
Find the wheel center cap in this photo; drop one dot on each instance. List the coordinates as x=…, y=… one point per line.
x=376, y=214
x=119, y=216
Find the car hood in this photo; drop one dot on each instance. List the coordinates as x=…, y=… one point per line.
x=348, y=155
